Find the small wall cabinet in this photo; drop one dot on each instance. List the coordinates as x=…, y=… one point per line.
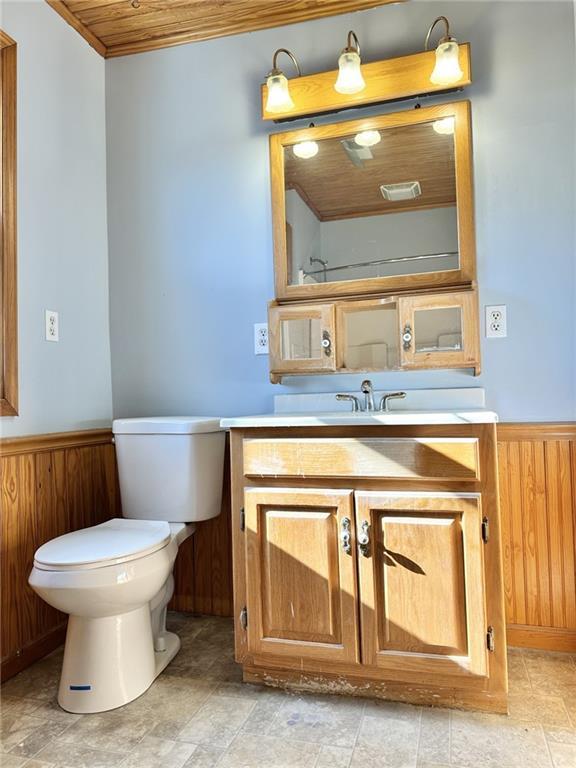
x=391, y=333
x=367, y=561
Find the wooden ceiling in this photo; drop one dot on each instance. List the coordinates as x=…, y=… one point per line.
x=334, y=188
x=122, y=27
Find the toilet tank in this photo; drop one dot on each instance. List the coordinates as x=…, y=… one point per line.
x=170, y=468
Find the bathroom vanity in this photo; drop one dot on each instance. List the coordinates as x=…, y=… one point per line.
x=367, y=555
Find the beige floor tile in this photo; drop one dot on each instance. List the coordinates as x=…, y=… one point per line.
x=217, y=721
x=334, y=757
x=204, y=757
x=434, y=744
x=392, y=731
x=518, y=678
x=11, y=706
x=495, y=741
x=563, y=755
x=171, y=698
x=40, y=681
x=563, y=735
x=551, y=673
x=249, y=751
x=78, y=756
x=366, y=757
x=38, y=764
x=51, y=710
x=531, y=708
x=25, y=735
x=110, y=731
x=262, y=716
x=323, y=719
x=158, y=753
x=12, y=761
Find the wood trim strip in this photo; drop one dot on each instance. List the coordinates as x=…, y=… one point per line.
x=512, y=432
x=403, y=77
x=8, y=255
x=62, y=9
x=33, y=652
x=546, y=638
x=14, y=446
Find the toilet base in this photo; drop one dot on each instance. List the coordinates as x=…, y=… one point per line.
x=110, y=661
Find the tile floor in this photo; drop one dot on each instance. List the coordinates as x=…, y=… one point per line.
x=198, y=714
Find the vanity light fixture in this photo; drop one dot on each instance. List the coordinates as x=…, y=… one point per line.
x=350, y=78
x=445, y=126
x=279, y=99
x=447, y=68
x=306, y=149
x=367, y=138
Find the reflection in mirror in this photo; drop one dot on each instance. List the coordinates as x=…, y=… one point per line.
x=371, y=337
x=438, y=330
x=374, y=204
x=301, y=338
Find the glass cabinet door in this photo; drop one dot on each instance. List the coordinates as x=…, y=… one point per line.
x=439, y=331
x=367, y=335
x=301, y=338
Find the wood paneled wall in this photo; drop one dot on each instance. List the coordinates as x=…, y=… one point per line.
x=537, y=466
x=51, y=484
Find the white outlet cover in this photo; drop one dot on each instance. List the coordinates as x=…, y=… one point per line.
x=496, y=326
x=260, y=338
x=51, y=325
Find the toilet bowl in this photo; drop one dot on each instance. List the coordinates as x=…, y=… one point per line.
x=115, y=579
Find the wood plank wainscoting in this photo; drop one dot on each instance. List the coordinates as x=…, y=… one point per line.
x=52, y=484
x=537, y=469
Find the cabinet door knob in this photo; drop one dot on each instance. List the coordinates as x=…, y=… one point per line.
x=364, y=538
x=326, y=343
x=345, y=535
x=407, y=337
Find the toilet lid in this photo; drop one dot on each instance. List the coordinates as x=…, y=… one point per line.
x=114, y=541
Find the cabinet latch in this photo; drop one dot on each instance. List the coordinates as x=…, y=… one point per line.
x=485, y=530
x=244, y=618
x=242, y=519
x=490, y=644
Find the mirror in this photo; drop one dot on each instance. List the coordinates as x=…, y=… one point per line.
x=377, y=204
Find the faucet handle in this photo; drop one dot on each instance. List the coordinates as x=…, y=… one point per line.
x=390, y=396
x=352, y=398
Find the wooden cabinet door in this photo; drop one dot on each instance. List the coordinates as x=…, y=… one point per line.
x=301, y=338
x=301, y=574
x=421, y=581
x=440, y=330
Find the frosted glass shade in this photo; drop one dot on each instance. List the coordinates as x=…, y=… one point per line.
x=305, y=149
x=350, y=78
x=445, y=126
x=279, y=99
x=367, y=138
x=447, y=69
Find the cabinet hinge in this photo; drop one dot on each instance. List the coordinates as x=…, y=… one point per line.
x=490, y=644
x=244, y=618
x=485, y=530
x=242, y=519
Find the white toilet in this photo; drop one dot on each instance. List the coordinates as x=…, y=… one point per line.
x=115, y=579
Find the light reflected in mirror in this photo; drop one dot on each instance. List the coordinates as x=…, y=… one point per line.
x=384, y=205
x=438, y=330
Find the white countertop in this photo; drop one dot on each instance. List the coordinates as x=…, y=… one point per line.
x=334, y=419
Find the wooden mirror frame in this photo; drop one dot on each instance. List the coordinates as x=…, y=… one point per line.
x=464, y=276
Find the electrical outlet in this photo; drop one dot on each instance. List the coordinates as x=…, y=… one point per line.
x=51, y=325
x=260, y=338
x=496, y=321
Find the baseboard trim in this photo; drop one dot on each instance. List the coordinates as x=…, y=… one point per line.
x=544, y=638
x=33, y=652
x=13, y=446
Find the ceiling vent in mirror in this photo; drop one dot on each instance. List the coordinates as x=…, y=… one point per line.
x=406, y=190
x=357, y=154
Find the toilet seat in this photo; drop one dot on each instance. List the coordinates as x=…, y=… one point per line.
x=114, y=542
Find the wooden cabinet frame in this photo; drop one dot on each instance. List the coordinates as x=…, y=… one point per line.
x=465, y=275
x=468, y=686
x=325, y=313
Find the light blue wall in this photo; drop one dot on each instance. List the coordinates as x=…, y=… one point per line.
x=62, y=231
x=189, y=208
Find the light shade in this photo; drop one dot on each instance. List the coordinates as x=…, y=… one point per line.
x=350, y=78
x=279, y=99
x=305, y=149
x=447, y=70
x=367, y=138
x=445, y=126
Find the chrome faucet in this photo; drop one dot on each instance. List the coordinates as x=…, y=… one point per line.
x=353, y=399
x=390, y=396
x=368, y=392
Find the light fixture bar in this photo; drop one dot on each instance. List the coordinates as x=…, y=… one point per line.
x=404, y=77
